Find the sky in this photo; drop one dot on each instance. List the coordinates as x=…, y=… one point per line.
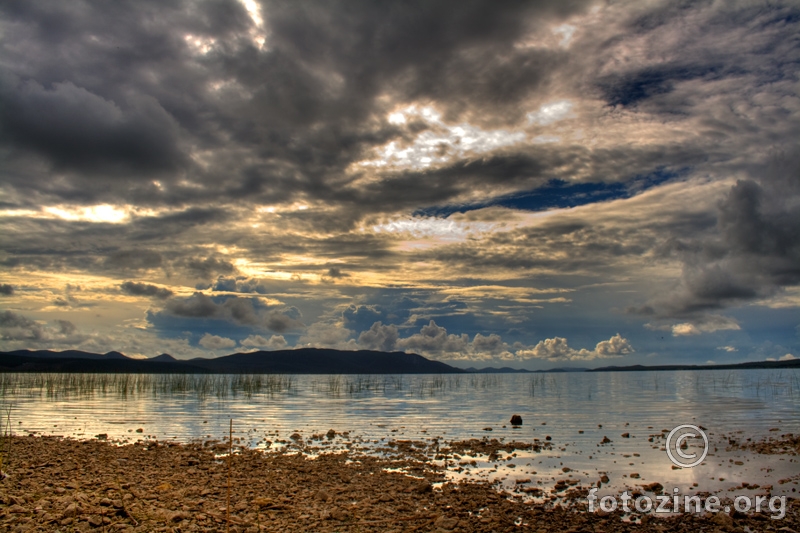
x=537, y=185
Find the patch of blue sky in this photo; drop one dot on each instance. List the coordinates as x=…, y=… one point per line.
x=559, y=194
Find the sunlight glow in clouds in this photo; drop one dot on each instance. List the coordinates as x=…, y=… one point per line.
x=552, y=112
x=440, y=143
x=447, y=229
x=199, y=44
x=566, y=31
x=258, y=35
x=98, y=213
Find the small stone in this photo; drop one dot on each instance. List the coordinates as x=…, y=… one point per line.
x=634, y=475
x=95, y=521
x=72, y=510
x=330, y=434
x=339, y=514
x=723, y=520
x=446, y=523
x=140, y=430
x=626, y=435
x=423, y=486
x=516, y=420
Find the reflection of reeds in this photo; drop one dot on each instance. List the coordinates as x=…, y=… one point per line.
x=537, y=382
x=202, y=385
x=335, y=385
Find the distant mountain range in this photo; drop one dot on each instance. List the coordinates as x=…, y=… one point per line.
x=299, y=361
x=791, y=363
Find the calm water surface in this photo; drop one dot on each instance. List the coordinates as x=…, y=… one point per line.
x=576, y=410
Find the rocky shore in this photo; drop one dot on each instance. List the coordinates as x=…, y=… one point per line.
x=56, y=484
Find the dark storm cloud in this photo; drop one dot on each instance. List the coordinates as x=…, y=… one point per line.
x=209, y=268
x=145, y=289
x=134, y=260
x=16, y=327
x=754, y=252
x=173, y=224
x=423, y=49
x=78, y=130
x=197, y=306
x=241, y=311
x=6, y=289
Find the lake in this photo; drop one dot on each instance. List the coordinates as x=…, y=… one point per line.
x=575, y=410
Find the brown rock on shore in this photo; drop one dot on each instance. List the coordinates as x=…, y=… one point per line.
x=64, y=485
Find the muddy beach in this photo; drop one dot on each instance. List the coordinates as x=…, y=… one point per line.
x=57, y=484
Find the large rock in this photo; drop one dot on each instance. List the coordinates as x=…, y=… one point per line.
x=516, y=420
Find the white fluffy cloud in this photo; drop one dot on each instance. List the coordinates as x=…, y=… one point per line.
x=557, y=349
x=434, y=341
x=326, y=335
x=379, y=337
x=275, y=342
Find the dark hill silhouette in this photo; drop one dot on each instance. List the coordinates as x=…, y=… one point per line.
x=72, y=354
x=20, y=363
x=163, y=358
x=300, y=361
x=324, y=361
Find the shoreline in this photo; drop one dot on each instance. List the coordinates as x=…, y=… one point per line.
x=69, y=485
